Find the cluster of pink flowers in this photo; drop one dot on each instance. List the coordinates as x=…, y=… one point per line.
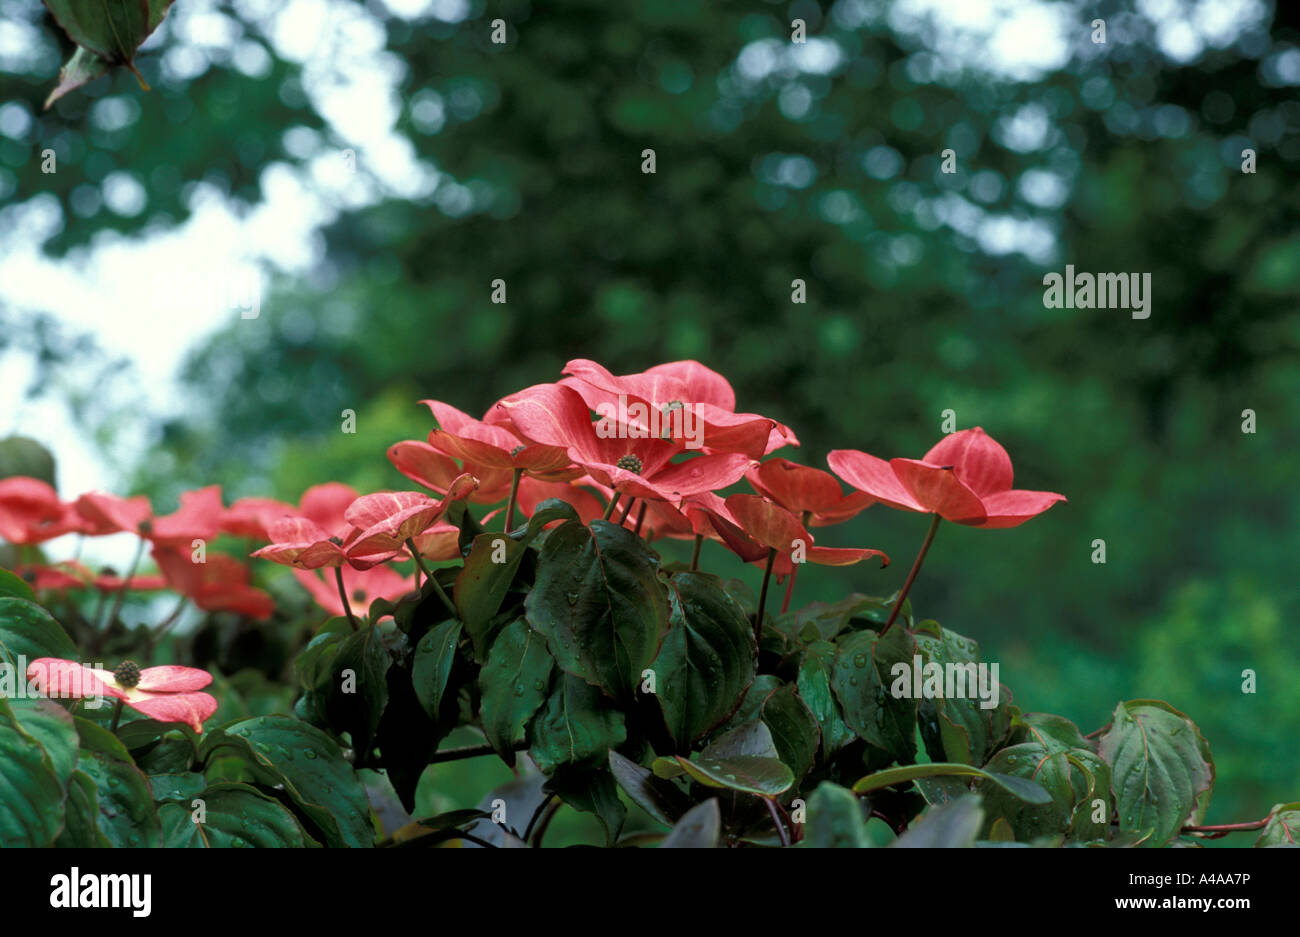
x=665, y=443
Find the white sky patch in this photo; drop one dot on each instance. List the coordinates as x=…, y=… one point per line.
x=1011, y=38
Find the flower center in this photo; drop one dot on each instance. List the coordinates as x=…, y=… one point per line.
x=358, y=595
x=337, y=541
x=629, y=463
x=516, y=450
x=127, y=674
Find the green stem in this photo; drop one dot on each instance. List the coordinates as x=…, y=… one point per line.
x=911, y=576
x=343, y=594
x=117, y=717
x=695, y=552
x=609, y=508
x=640, y=519
x=627, y=509
x=470, y=751
x=537, y=815
x=514, y=494
x=762, y=596
x=545, y=823
x=419, y=560
x=429, y=577
x=166, y=624
x=121, y=593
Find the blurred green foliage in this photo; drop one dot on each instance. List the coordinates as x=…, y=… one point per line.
x=924, y=294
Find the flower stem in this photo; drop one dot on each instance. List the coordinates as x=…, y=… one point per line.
x=343, y=594
x=121, y=593
x=695, y=552
x=117, y=717
x=762, y=595
x=609, y=508
x=166, y=624
x=627, y=509
x=429, y=577
x=514, y=494
x=640, y=518
x=911, y=576
x=794, y=573
x=776, y=819
x=789, y=589
x=1223, y=829
x=419, y=560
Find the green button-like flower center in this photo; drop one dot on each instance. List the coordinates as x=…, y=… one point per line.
x=127, y=674
x=629, y=463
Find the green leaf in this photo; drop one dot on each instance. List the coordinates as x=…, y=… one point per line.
x=835, y=819
x=600, y=603
x=127, y=816
x=862, y=680
x=81, y=816
x=31, y=805
x=958, y=728
x=952, y=826
x=1001, y=831
x=743, y=759
x=53, y=729
x=1054, y=754
x=794, y=730
x=1027, y=791
x=576, y=726
x=594, y=791
x=435, y=656
x=661, y=799
x=158, y=12
x=1161, y=768
x=112, y=29
x=283, y=750
x=512, y=685
x=28, y=631
x=1283, y=827
x=21, y=455
x=345, y=675
x=13, y=586
x=181, y=785
x=707, y=659
x=700, y=828
x=231, y=815
x=749, y=738
x=828, y=619
x=749, y=774
x=482, y=584
x=814, y=682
